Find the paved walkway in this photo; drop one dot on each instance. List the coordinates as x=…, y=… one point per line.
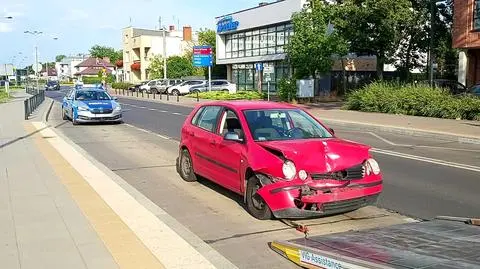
x=60, y=208
x=40, y=225
x=465, y=131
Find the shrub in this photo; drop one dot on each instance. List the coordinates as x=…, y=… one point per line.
x=220, y=95
x=413, y=100
x=287, y=89
x=121, y=85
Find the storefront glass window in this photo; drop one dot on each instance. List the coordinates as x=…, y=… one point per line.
x=244, y=76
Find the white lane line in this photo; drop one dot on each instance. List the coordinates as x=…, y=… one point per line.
x=452, y=149
x=152, y=109
x=168, y=246
x=387, y=141
x=142, y=107
x=163, y=111
x=148, y=132
x=427, y=160
x=175, y=113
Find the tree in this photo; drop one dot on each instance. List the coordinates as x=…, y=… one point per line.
x=373, y=27
x=312, y=48
x=177, y=67
x=103, y=51
x=59, y=58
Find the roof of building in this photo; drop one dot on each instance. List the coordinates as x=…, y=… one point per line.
x=94, y=62
x=262, y=4
x=90, y=71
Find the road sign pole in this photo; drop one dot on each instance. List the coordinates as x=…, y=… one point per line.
x=209, y=78
x=36, y=65
x=268, y=90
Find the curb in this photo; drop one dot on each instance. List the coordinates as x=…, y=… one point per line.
x=218, y=260
x=403, y=131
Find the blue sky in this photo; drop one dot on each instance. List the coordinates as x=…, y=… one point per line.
x=81, y=24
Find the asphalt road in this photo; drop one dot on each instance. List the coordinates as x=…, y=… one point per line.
x=424, y=177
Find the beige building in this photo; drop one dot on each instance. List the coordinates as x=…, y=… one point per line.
x=141, y=45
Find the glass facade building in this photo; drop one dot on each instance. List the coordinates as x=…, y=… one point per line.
x=253, y=48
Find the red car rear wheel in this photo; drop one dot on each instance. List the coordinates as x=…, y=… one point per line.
x=186, y=167
x=256, y=206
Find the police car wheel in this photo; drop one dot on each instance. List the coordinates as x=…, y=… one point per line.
x=64, y=115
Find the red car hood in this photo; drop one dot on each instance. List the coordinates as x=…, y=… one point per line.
x=320, y=155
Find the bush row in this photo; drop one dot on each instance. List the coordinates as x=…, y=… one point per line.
x=220, y=95
x=121, y=85
x=413, y=100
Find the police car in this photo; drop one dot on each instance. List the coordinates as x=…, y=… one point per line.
x=90, y=104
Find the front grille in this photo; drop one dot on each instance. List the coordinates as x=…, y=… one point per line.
x=347, y=205
x=101, y=111
x=353, y=173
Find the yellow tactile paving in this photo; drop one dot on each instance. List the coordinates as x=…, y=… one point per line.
x=125, y=247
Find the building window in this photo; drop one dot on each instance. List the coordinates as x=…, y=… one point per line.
x=244, y=76
x=476, y=15
x=260, y=42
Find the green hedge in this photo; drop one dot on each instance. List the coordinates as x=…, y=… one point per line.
x=413, y=100
x=220, y=95
x=121, y=85
x=97, y=80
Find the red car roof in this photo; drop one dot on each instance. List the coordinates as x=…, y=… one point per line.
x=247, y=105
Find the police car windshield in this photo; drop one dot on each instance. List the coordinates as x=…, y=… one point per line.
x=91, y=95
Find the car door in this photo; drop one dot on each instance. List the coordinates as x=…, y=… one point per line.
x=204, y=138
x=229, y=156
x=68, y=102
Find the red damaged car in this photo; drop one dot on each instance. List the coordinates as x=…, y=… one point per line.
x=283, y=161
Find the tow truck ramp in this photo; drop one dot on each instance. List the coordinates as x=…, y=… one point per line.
x=443, y=243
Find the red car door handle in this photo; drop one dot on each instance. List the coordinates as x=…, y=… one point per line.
x=191, y=133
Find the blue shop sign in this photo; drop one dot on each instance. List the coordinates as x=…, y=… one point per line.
x=227, y=24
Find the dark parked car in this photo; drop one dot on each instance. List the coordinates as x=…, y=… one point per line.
x=52, y=85
x=474, y=90
x=453, y=86
x=136, y=87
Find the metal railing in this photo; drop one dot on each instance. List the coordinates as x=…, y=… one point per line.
x=33, y=103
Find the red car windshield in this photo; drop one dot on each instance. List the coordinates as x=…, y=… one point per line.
x=283, y=124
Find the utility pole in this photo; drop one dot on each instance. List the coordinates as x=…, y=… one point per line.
x=36, y=65
x=433, y=6
x=164, y=48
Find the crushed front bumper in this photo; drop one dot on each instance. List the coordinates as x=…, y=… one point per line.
x=89, y=117
x=306, y=200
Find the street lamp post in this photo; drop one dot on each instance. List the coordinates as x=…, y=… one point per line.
x=35, y=33
x=433, y=6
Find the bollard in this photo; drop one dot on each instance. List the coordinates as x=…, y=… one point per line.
x=148, y=95
x=137, y=93
x=142, y=93
x=153, y=95
x=197, y=97
x=168, y=97
x=123, y=92
x=178, y=98
x=25, y=104
x=161, y=96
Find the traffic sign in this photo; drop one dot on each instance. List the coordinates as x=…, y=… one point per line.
x=202, y=56
x=37, y=68
x=268, y=69
x=259, y=66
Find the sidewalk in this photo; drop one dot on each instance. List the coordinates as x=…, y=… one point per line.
x=462, y=131
x=60, y=208
x=40, y=225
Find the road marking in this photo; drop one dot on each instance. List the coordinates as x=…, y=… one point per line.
x=163, y=111
x=428, y=160
x=149, y=132
x=172, y=250
x=175, y=113
x=387, y=141
x=152, y=109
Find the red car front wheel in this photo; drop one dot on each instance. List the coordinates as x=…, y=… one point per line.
x=256, y=206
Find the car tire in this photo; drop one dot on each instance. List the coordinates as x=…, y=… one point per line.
x=175, y=92
x=256, y=206
x=186, y=167
x=74, y=121
x=64, y=115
